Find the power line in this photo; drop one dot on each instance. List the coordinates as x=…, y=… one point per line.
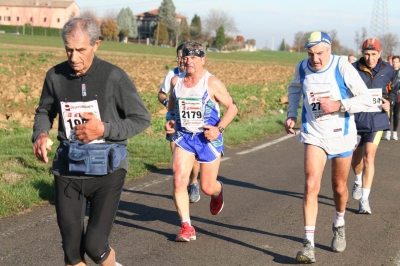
x=379, y=19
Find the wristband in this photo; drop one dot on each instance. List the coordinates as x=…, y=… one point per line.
x=165, y=101
x=170, y=115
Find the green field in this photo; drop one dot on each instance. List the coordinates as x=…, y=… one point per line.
x=267, y=57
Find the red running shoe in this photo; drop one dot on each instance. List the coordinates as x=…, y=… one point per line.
x=217, y=202
x=186, y=234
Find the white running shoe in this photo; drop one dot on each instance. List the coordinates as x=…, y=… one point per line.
x=394, y=135
x=364, y=207
x=386, y=135
x=357, y=191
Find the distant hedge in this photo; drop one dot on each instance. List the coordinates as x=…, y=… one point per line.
x=31, y=30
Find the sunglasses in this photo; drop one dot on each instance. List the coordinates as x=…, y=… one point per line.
x=192, y=52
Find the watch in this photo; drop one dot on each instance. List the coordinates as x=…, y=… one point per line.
x=221, y=129
x=342, y=107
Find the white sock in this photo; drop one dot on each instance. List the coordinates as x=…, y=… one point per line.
x=339, y=219
x=358, y=180
x=309, y=232
x=186, y=221
x=365, y=193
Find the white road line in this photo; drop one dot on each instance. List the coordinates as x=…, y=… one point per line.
x=266, y=144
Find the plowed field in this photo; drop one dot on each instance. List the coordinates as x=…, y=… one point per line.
x=22, y=75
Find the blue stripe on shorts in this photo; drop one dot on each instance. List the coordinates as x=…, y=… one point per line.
x=340, y=155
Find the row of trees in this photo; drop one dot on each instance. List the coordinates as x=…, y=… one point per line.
x=214, y=30
x=389, y=42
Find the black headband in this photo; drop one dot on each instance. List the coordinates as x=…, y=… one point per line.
x=192, y=52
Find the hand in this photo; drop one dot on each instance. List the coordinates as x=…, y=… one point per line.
x=211, y=133
x=40, y=147
x=170, y=127
x=328, y=105
x=385, y=105
x=91, y=130
x=289, y=124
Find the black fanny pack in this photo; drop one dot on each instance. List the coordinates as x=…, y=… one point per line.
x=93, y=159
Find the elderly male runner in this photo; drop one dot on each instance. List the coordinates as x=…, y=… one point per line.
x=327, y=83
x=194, y=110
x=193, y=188
x=378, y=77
x=98, y=109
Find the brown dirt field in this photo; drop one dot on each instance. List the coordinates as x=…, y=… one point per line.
x=22, y=75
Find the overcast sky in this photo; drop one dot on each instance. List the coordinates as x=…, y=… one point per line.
x=267, y=21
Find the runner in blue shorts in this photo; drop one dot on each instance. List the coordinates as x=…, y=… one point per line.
x=193, y=187
x=194, y=113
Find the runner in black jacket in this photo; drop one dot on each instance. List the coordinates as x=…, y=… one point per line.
x=96, y=103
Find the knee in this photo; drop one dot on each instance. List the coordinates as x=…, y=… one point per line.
x=180, y=182
x=207, y=188
x=96, y=251
x=312, y=186
x=369, y=159
x=340, y=189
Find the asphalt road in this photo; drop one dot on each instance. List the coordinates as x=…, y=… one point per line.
x=261, y=223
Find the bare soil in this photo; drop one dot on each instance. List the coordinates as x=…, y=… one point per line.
x=22, y=76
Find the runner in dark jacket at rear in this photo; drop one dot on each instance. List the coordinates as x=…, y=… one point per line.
x=377, y=75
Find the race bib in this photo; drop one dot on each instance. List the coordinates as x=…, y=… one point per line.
x=318, y=91
x=71, y=117
x=376, y=100
x=191, y=112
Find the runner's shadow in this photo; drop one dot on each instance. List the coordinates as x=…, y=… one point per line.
x=128, y=212
x=148, y=193
x=279, y=192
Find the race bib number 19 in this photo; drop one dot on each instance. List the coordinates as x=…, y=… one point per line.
x=71, y=116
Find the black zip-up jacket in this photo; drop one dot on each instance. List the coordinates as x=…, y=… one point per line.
x=121, y=108
x=375, y=121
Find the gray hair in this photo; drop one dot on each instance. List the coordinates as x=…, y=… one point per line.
x=86, y=26
x=194, y=45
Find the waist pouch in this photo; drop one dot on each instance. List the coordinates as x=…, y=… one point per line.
x=94, y=159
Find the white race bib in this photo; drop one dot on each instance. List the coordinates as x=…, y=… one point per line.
x=71, y=116
x=191, y=112
x=376, y=94
x=318, y=91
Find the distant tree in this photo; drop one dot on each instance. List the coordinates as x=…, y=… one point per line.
x=300, y=39
x=123, y=34
x=216, y=19
x=166, y=12
x=389, y=43
x=133, y=30
x=90, y=14
x=195, y=28
x=360, y=37
x=220, y=38
x=109, y=29
x=185, y=31
x=127, y=21
x=282, y=46
x=163, y=34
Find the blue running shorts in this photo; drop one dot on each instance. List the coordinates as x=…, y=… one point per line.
x=197, y=144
